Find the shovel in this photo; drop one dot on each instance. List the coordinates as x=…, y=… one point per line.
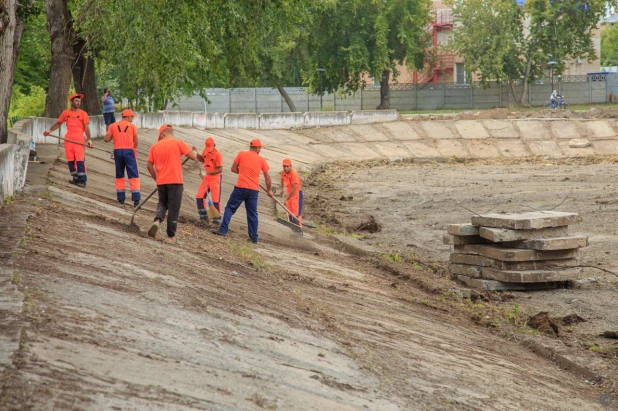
x=150, y=195
x=79, y=143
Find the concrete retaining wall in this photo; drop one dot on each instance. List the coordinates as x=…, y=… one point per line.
x=208, y=120
x=373, y=116
x=327, y=118
x=246, y=121
x=14, y=159
x=273, y=121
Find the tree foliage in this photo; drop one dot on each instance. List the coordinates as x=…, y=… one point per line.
x=500, y=40
x=34, y=55
x=162, y=49
x=356, y=38
x=609, y=45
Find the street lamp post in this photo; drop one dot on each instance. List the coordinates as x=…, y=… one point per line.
x=551, y=65
x=320, y=70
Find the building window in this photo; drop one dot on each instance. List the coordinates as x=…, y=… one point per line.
x=460, y=73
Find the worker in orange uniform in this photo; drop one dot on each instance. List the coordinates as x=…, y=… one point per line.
x=248, y=165
x=124, y=134
x=213, y=166
x=294, y=199
x=77, y=125
x=165, y=167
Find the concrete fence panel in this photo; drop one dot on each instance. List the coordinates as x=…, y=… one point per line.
x=272, y=121
x=14, y=164
x=247, y=121
x=152, y=120
x=208, y=120
x=179, y=118
x=327, y=118
x=373, y=116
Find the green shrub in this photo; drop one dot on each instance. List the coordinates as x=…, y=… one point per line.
x=26, y=105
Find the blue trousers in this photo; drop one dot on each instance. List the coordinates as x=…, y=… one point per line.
x=250, y=198
x=125, y=160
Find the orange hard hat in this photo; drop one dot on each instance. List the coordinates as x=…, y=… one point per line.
x=287, y=162
x=128, y=113
x=256, y=143
x=72, y=96
x=163, y=127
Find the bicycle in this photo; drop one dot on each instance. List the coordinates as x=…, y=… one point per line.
x=562, y=105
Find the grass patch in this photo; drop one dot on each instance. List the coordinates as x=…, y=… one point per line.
x=246, y=253
x=15, y=278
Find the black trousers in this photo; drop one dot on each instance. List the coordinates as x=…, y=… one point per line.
x=170, y=200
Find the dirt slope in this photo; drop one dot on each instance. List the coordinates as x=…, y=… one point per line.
x=115, y=320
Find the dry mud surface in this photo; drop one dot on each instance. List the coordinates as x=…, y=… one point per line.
x=115, y=320
x=412, y=204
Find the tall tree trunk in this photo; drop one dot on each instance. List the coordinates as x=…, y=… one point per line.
x=62, y=37
x=531, y=52
x=11, y=30
x=287, y=98
x=84, y=77
x=512, y=85
x=384, y=91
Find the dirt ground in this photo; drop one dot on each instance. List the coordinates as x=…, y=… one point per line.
x=115, y=320
x=412, y=204
x=502, y=113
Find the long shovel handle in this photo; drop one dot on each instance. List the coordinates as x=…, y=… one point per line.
x=278, y=202
x=150, y=195
x=79, y=143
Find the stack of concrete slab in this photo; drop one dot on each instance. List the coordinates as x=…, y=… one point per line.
x=525, y=251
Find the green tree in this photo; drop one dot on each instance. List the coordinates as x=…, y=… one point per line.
x=502, y=41
x=34, y=55
x=356, y=38
x=609, y=45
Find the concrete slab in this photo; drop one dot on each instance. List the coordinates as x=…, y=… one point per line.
x=360, y=150
x=605, y=147
x=482, y=261
x=418, y=149
x=532, y=276
x=579, y=143
x=598, y=129
x=512, y=148
x=462, y=229
x=500, y=129
x=564, y=130
x=332, y=135
x=471, y=129
x=331, y=151
x=401, y=130
x=514, y=254
x=526, y=221
x=449, y=239
x=533, y=130
x=571, y=151
x=437, y=129
x=467, y=270
x=482, y=149
x=499, y=235
x=545, y=148
x=556, y=243
x=452, y=148
x=392, y=149
x=492, y=285
x=367, y=133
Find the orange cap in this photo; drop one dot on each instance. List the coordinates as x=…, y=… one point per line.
x=72, y=96
x=163, y=127
x=210, y=143
x=287, y=162
x=256, y=143
x=128, y=113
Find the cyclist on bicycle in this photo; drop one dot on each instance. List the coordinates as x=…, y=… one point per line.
x=554, y=99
